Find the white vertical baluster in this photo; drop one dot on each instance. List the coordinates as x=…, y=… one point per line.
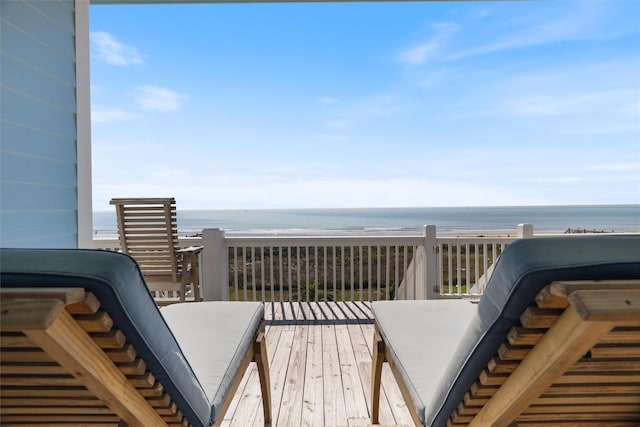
x=485, y=259
x=397, y=265
x=244, y=272
x=235, y=273
x=253, y=272
x=289, y=273
x=335, y=286
x=405, y=266
x=476, y=260
x=342, y=272
x=308, y=281
x=262, y=282
x=360, y=270
x=387, y=252
x=315, y=272
x=271, y=279
x=351, y=257
x=324, y=271
x=440, y=278
x=458, y=269
x=280, y=275
x=299, y=271
x=467, y=267
x=369, y=284
x=378, y=272
x=450, y=267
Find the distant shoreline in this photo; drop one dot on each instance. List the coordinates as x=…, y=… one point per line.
x=112, y=234
x=488, y=221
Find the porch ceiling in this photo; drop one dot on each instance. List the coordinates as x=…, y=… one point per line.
x=100, y=2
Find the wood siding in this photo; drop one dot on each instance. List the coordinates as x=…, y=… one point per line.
x=38, y=161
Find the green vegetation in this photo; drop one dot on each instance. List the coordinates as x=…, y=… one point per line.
x=344, y=273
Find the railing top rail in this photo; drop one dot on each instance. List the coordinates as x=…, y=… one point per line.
x=475, y=240
x=300, y=241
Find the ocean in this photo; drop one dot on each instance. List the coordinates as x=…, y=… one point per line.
x=448, y=221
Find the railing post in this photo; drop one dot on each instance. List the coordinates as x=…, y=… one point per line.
x=525, y=231
x=214, y=266
x=431, y=261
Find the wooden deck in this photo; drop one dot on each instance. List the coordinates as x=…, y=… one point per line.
x=320, y=362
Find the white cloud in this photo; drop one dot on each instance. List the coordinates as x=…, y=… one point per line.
x=109, y=115
x=331, y=137
x=633, y=167
x=581, y=21
x=373, y=107
x=107, y=48
x=546, y=177
x=633, y=108
x=327, y=100
x=161, y=99
x=424, y=51
x=419, y=54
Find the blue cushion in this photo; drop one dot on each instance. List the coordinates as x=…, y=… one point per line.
x=118, y=283
x=524, y=268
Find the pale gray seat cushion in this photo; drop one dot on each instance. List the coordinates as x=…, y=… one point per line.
x=214, y=337
x=421, y=337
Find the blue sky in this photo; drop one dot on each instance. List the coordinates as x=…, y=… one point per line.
x=367, y=104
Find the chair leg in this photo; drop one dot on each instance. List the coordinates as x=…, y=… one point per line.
x=183, y=278
x=376, y=376
x=195, y=276
x=261, y=359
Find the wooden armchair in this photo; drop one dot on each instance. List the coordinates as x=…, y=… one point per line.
x=148, y=232
x=555, y=340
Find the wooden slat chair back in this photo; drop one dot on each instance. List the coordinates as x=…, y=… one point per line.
x=148, y=231
x=574, y=360
x=63, y=363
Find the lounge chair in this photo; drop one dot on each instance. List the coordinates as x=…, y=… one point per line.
x=148, y=231
x=555, y=340
x=82, y=341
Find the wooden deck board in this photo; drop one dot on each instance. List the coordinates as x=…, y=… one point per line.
x=320, y=362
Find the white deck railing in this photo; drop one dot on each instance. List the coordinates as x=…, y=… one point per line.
x=341, y=268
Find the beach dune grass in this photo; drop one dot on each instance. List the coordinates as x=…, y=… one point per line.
x=317, y=273
x=362, y=273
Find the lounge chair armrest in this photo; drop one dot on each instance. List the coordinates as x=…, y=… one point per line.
x=191, y=249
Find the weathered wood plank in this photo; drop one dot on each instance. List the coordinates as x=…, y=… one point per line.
x=363, y=359
x=557, y=293
x=292, y=394
x=355, y=403
x=73, y=348
x=298, y=352
x=312, y=394
x=565, y=343
x=335, y=412
x=280, y=365
x=519, y=336
x=621, y=307
x=66, y=295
